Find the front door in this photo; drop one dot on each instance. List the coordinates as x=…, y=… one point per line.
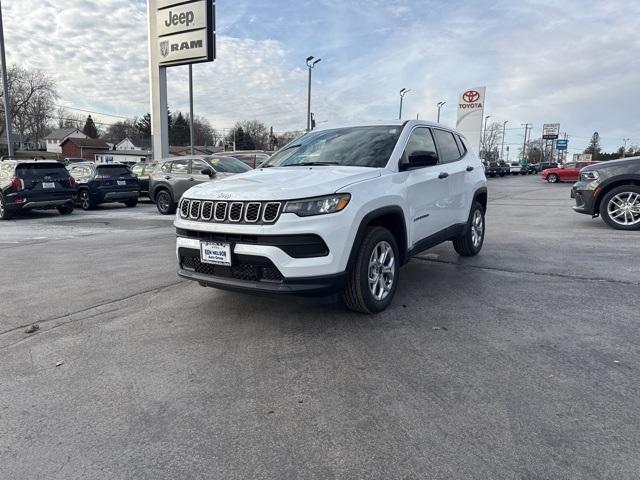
x=196, y=171
x=569, y=173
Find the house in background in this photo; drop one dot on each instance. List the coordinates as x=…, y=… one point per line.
x=86, y=148
x=54, y=139
x=130, y=145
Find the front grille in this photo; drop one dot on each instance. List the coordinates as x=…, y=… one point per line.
x=249, y=269
x=258, y=213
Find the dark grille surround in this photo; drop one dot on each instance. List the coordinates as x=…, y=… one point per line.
x=248, y=213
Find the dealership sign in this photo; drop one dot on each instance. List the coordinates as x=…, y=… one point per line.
x=470, y=114
x=184, y=32
x=550, y=131
x=562, y=144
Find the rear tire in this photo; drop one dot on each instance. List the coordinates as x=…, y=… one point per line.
x=372, y=282
x=164, y=203
x=5, y=214
x=86, y=203
x=131, y=203
x=65, y=209
x=620, y=208
x=470, y=243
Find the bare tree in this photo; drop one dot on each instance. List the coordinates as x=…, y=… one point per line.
x=67, y=119
x=32, y=94
x=491, y=137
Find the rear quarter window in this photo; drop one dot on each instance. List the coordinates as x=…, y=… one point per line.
x=448, y=148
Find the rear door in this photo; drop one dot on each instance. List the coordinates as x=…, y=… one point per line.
x=179, y=178
x=45, y=181
x=569, y=173
x=456, y=203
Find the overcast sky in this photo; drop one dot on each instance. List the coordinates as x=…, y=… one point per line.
x=576, y=62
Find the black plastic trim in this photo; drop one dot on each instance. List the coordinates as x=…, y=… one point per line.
x=449, y=233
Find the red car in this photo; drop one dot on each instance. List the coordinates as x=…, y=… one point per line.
x=569, y=172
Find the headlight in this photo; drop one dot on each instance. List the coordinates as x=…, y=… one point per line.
x=589, y=176
x=318, y=205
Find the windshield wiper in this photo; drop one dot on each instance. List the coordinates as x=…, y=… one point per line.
x=311, y=164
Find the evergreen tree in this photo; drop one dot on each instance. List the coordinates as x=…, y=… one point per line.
x=594, y=146
x=90, y=129
x=179, y=133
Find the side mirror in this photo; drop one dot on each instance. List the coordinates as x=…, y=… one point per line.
x=209, y=172
x=422, y=159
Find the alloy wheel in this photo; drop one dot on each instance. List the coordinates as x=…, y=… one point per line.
x=477, y=229
x=84, y=200
x=624, y=208
x=381, y=270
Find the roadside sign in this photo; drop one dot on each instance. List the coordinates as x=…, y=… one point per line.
x=550, y=131
x=562, y=144
x=471, y=114
x=582, y=157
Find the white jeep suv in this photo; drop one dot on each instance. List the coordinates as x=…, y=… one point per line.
x=336, y=210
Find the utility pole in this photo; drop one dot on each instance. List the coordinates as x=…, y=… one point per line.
x=624, y=148
x=403, y=92
x=440, y=105
x=311, y=63
x=5, y=87
x=524, y=144
x=504, y=128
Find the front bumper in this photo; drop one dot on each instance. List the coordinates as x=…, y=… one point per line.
x=585, y=194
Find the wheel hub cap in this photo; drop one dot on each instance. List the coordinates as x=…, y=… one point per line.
x=381, y=270
x=477, y=229
x=624, y=208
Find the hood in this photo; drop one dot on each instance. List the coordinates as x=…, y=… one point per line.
x=282, y=183
x=621, y=162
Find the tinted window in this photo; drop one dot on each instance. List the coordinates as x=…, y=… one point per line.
x=461, y=146
x=113, y=170
x=352, y=146
x=420, y=140
x=180, y=166
x=229, y=165
x=570, y=165
x=41, y=170
x=197, y=166
x=448, y=148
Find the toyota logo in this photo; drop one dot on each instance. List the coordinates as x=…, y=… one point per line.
x=470, y=96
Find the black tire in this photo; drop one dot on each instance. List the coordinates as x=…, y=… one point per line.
x=66, y=209
x=357, y=295
x=502, y=174
x=131, y=203
x=553, y=178
x=492, y=175
x=164, y=203
x=611, y=201
x=469, y=244
x=86, y=203
x=5, y=214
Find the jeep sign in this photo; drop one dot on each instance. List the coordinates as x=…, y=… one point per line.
x=470, y=115
x=182, y=18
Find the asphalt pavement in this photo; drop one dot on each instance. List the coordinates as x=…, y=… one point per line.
x=521, y=363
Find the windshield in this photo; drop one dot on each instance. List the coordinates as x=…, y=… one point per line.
x=113, y=170
x=228, y=165
x=350, y=147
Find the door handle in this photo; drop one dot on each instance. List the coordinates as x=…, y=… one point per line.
x=192, y=179
x=469, y=168
x=167, y=177
x=443, y=175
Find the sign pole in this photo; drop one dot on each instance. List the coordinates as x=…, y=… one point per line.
x=191, y=105
x=5, y=87
x=158, y=92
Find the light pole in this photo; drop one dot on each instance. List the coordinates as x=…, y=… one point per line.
x=310, y=64
x=504, y=128
x=440, y=105
x=403, y=92
x=524, y=144
x=624, y=149
x=5, y=87
x=483, y=136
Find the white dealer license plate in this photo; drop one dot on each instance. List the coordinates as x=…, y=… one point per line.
x=122, y=182
x=216, y=253
x=48, y=185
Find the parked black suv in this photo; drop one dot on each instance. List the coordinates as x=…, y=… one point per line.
x=497, y=168
x=33, y=184
x=539, y=167
x=611, y=190
x=103, y=183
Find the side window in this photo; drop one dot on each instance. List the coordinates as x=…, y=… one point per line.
x=420, y=140
x=197, y=166
x=180, y=166
x=166, y=167
x=570, y=165
x=461, y=146
x=447, y=146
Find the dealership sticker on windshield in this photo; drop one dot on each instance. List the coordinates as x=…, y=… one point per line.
x=216, y=253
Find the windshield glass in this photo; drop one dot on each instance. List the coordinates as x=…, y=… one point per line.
x=228, y=165
x=113, y=170
x=351, y=147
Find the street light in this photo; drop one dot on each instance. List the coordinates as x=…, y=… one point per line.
x=440, y=105
x=484, y=135
x=310, y=64
x=624, y=149
x=504, y=128
x=403, y=92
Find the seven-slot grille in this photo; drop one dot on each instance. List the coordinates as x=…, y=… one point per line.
x=230, y=212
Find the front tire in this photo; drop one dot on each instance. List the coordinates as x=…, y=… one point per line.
x=131, y=203
x=65, y=209
x=470, y=243
x=85, y=200
x=620, y=208
x=553, y=178
x=164, y=203
x=372, y=282
x=5, y=214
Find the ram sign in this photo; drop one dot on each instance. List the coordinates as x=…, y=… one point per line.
x=183, y=32
x=470, y=115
